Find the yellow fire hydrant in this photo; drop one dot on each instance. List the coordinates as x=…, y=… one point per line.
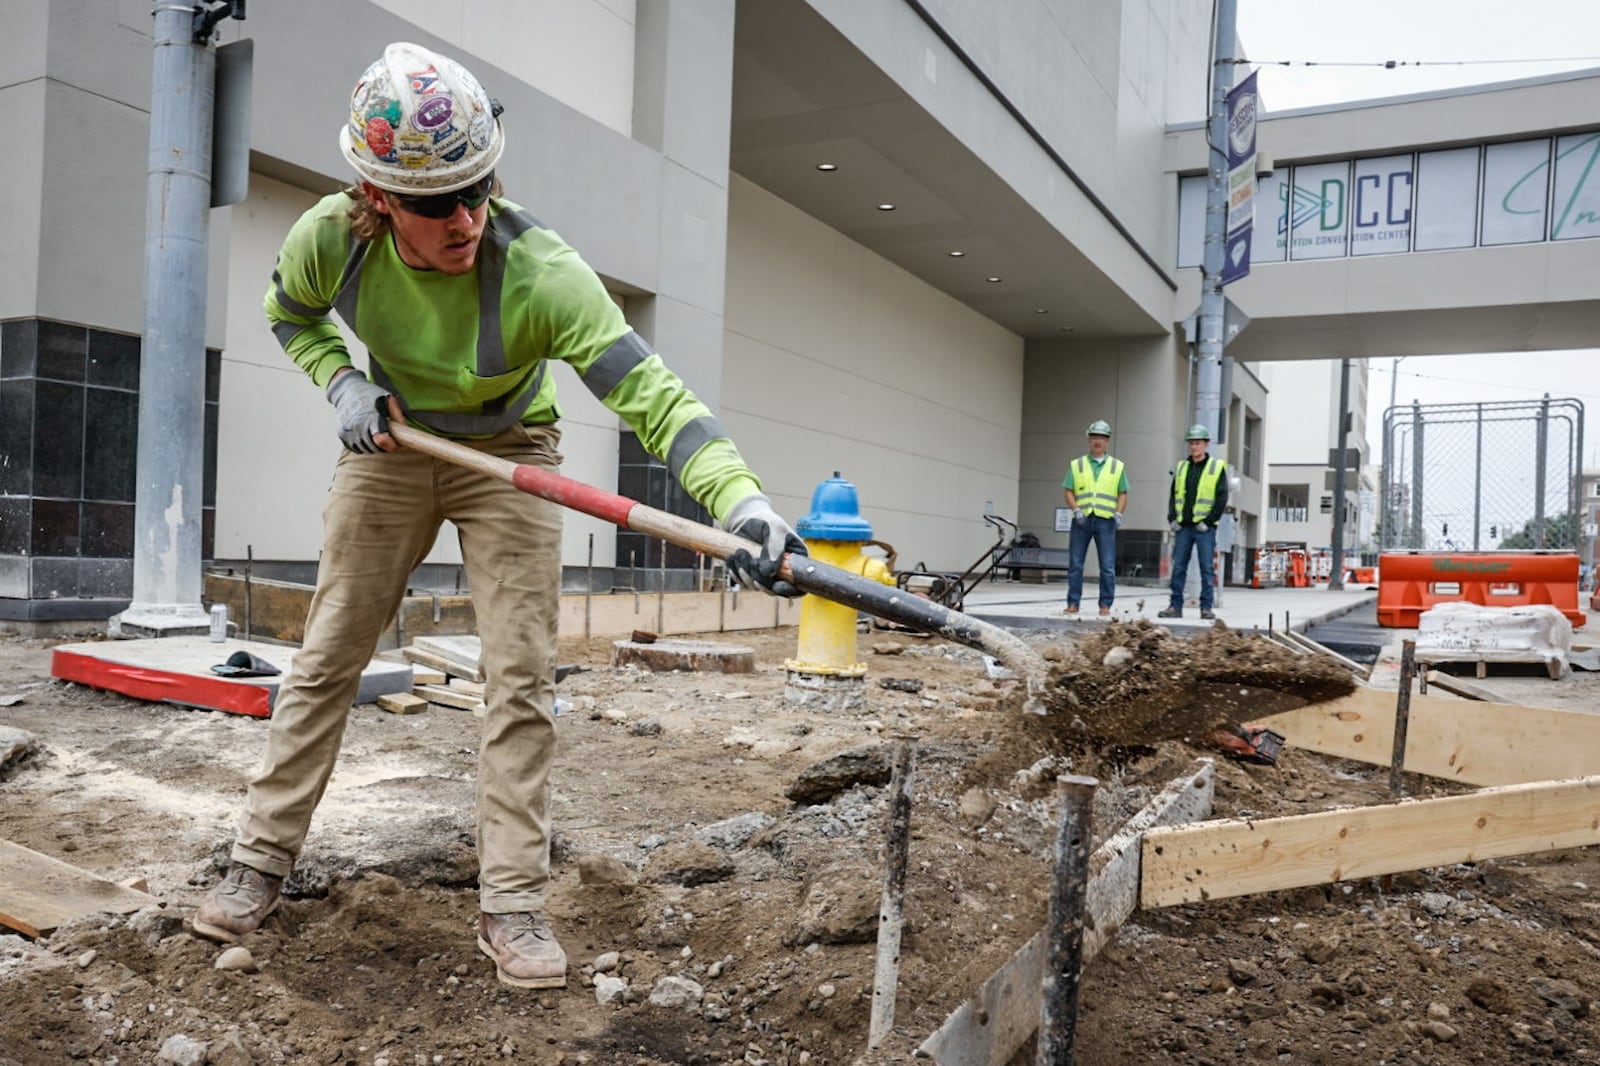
x=824, y=672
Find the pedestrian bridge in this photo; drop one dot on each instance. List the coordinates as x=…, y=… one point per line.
x=1459, y=221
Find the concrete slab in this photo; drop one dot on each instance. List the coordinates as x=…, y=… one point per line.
x=178, y=670
x=1019, y=605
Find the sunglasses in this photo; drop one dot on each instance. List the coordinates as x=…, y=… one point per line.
x=444, y=204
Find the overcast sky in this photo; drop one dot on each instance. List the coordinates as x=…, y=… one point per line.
x=1435, y=31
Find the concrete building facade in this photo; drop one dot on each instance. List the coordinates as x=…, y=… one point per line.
x=922, y=243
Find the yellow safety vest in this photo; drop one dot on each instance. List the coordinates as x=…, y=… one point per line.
x=1096, y=495
x=1205, y=493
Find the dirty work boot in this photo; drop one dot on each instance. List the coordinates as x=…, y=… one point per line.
x=1072, y=608
x=238, y=905
x=1105, y=612
x=1170, y=612
x=526, y=953
x=1208, y=615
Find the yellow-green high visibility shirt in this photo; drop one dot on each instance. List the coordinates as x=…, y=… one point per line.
x=466, y=355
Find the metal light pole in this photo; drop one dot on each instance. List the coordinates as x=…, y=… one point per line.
x=1336, y=578
x=172, y=360
x=1208, y=389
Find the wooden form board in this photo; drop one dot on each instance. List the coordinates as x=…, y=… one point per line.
x=988, y=1029
x=38, y=893
x=1215, y=860
x=1457, y=740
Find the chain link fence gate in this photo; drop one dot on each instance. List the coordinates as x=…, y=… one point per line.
x=1482, y=476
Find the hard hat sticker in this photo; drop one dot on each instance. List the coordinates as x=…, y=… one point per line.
x=434, y=112
x=380, y=138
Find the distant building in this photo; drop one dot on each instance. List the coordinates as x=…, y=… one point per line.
x=1302, y=439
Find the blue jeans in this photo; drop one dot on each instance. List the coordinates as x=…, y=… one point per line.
x=1190, y=539
x=1103, y=531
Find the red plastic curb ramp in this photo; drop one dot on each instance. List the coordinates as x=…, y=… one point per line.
x=166, y=686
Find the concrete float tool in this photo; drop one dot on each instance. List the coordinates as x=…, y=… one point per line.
x=810, y=576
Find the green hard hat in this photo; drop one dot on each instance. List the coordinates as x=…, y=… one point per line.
x=1098, y=428
x=1197, y=432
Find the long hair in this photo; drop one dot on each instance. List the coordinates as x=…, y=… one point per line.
x=367, y=223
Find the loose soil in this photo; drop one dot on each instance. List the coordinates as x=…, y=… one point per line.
x=679, y=849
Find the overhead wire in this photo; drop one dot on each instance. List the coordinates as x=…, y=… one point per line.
x=1391, y=64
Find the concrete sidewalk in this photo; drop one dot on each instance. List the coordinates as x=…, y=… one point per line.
x=1022, y=605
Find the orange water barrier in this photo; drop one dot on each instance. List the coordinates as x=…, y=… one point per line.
x=1411, y=582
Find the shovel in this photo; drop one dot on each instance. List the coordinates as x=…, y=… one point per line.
x=806, y=574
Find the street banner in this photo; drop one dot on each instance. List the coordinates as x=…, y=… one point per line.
x=1242, y=101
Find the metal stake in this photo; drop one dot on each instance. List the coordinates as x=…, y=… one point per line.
x=661, y=591
x=1058, y=999
x=588, y=589
x=891, y=908
x=1402, y=718
x=249, y=563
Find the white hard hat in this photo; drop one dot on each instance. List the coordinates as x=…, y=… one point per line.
x=421, y=124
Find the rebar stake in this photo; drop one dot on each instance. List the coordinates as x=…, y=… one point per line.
x=1058, y=998
x=891, y=908
x=1402, y=718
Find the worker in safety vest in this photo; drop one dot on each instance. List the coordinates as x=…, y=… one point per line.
x=463, y=300
x=1194, y=507
x=1096, y=491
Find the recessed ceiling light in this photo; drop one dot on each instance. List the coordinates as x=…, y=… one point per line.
x=1040, y=311
x=1066, y=329
x=957, y=255
x=827, y=166
x=886, y=207
x=993, y=280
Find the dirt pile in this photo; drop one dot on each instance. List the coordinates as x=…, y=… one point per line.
x=1137, y=683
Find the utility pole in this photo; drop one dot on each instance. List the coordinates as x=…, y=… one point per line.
x=172, y=361
x=1208, y=400
x=1336, y=578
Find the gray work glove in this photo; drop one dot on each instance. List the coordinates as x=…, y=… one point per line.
x=1175, y=525
x=754, y=519
x=1202, y=527
x=1118, y=519
x=1077, y=516
x=362, y=409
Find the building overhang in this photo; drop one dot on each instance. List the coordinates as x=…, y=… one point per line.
x=805, y=95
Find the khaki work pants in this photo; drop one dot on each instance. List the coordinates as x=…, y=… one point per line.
x=382, y=516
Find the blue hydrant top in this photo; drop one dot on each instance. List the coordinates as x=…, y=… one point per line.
x=835, y=513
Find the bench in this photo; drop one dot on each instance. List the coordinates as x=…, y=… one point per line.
x=1010, y=561
x=1010, y=558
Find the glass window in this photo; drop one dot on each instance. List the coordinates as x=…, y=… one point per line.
x=1447, y=199
x=1320, y=209
x=1516, y=177
x=1576, y=210
x=1380, y=206
x=1270, y=241
x=1191, y=221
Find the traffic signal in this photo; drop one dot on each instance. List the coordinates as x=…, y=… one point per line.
x=1494, y=531
x=1445, y=532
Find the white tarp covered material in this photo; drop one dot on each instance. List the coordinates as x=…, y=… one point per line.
x=1466, y=632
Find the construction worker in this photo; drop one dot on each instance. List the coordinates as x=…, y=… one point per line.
x=1196, y=504
x=461, y=297
x=1096, y=491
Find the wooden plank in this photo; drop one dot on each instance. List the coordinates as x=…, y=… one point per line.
x=464, y=651
x=448, y=697
x=440, y=663
x=471, y=688
x=1216, y=860
x=1322, y=649
x=1457, y=740
x=1464, y=689
x=988, y=1029
x=427, y=675
x=38, y=893
x=402, y=703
